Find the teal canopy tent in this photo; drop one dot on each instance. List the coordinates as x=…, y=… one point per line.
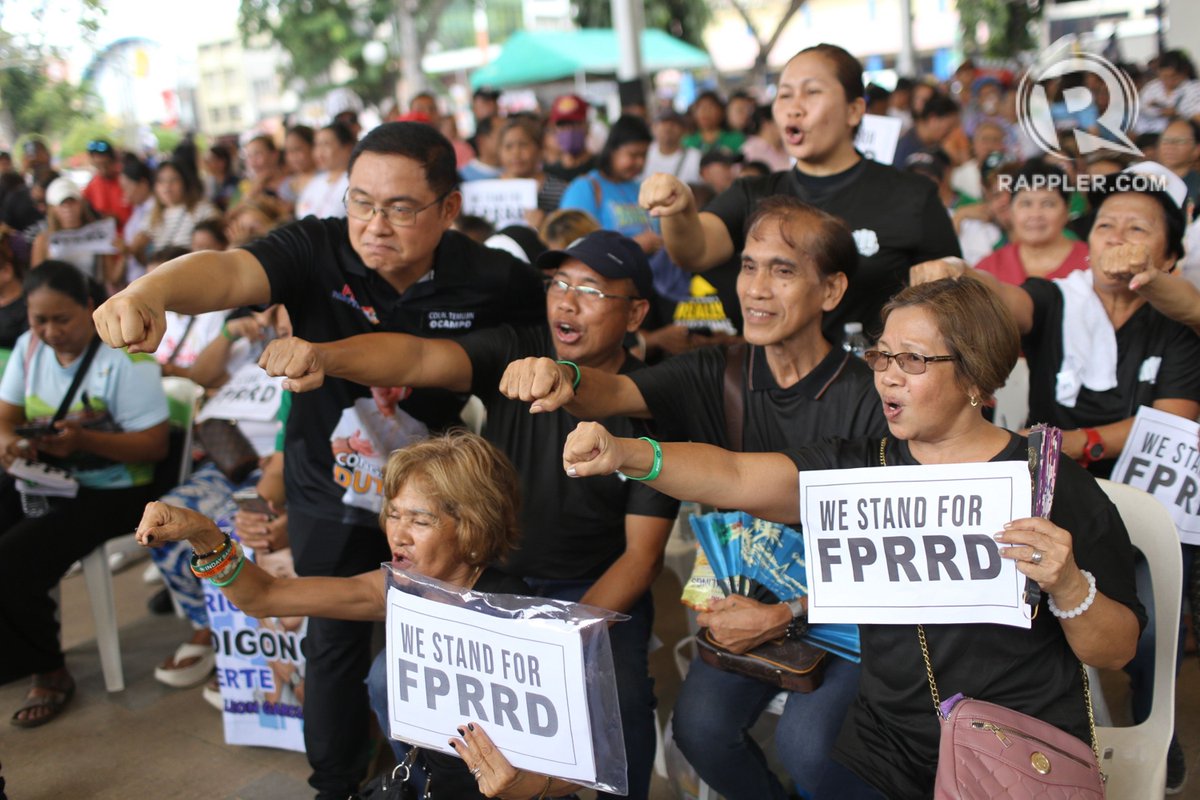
x=540, y=56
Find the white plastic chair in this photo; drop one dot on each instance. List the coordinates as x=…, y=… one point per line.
x=474, y=415
x=1135, y=758
x=183, y=397
x=1012, y=399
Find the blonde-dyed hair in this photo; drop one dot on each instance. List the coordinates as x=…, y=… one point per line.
x=977, y=327
x=472, y=482
x=566, y=225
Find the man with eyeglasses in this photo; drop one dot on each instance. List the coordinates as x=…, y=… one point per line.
x=600, y=540
x=103, y=191
x=391, y=265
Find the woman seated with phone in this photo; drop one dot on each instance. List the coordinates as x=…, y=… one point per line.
x=451, y=513
x=100, y=416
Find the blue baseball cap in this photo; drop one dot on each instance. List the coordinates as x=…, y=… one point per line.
x=609, y=253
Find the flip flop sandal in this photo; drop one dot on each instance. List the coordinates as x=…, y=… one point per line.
x=56, y=701
x=193, y=674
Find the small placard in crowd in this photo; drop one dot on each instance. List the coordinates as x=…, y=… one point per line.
x=250, y=393
x=500, y=202
x=877, y=137
x=1162, y=457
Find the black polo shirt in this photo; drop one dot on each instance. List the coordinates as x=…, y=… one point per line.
x=896, y=218
x=330, y=294
x=1157, y=358
x=686, y=395
x=572, y=528
x=890, y=735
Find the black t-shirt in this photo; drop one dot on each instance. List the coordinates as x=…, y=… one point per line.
x=686, y=395
x=896, y=218
x=14, y=320
x=568, y=174
x=890, y=737
x=1157, y=358
x=330, y=294
x=449, y=776
x=572, y=528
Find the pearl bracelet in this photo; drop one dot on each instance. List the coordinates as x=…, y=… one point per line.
x=1082, y=607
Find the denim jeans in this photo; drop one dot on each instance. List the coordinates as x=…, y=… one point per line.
x=716, y=709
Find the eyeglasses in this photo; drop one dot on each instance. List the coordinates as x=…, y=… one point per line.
x=912, y=363
x=587, y=294
x=397, y=216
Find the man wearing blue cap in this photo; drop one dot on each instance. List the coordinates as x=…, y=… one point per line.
x=598, y=541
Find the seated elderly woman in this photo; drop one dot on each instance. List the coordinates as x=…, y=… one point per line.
x=451, y=512
x=946, y=347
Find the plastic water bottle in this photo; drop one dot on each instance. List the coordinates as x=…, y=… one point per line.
x=853, y=340
x=34, y=505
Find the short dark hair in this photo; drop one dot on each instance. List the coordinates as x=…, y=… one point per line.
x=266, y=141
x=904, y=85
x=846, y=67
x=626, y=130
x=65, y=279
x=1178, y=61
x=826, y=240
x=341, y=132
x=938, y=105
x=304, y=132
x=1041, y=173
x=169, y=253
x=421, y=143
x=214, y=228
x=136, y=170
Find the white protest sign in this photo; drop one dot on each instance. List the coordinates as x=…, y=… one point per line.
x=260, y=669
x=249, y=394
x=877, y=137
x=96, y=238
x=500, y=202
x=1161, y=457
x=523, y=679
x=902, y=545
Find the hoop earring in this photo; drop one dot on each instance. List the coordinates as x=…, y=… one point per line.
x=974, y=401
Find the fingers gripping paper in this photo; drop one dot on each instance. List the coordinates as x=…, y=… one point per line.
x=536, y=673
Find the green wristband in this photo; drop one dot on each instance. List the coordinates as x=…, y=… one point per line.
x=233, y=337
x=655, y=468
x=233, y=577
x=578, y=372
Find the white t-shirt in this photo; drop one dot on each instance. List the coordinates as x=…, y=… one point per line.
x=684, y=163
x=321, y=198
x=1184, y=101
x=206, y=328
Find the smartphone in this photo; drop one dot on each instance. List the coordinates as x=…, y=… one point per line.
x=251, y=501
x=34, y=431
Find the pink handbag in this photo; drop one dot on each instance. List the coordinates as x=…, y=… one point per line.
x=994, y=753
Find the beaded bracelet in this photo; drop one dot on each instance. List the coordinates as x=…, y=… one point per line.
x=578, y=372
x=216, y=565
x=1082, y=607
x=223, y=583
x=215, y=551
x=655, y=468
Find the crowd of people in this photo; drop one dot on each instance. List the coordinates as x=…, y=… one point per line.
x=684, y=283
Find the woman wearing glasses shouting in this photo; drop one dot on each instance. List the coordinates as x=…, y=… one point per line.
x=946, y=347
x=391, y=265
x=786, y=387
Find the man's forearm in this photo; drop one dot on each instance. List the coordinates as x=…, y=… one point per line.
x=629, y=577
x=374, y=359
x=209, y=280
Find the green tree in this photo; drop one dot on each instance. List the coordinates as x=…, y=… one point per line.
x=316, y=34
x=685, y=19
x=1009, y=26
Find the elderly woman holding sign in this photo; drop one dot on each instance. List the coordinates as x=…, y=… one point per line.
x=945, y=348
x=451, y=511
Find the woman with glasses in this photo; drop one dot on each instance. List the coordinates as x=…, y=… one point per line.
x=946, y=347
x=1099, y=350
x=795, y=389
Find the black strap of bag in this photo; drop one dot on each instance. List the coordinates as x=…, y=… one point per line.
x=179, y=345
x=88, y=355
x=734, y=394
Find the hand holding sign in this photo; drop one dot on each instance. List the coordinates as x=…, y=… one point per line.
x=1045, y=552
x=299, y=361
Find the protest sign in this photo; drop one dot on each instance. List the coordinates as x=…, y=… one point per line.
x=260, y=667
x=877, y=137
x=1161, y=457
x=500, y=202
x=523, y=679
x=249, y=394
x=902, y=545
x=94, y=239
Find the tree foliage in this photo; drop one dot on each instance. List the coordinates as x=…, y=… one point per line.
x=316, y=34
x=685, y=19
x=1008, y=23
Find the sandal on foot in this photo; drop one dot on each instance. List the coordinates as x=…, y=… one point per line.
x=184, y=677
x=56, y=699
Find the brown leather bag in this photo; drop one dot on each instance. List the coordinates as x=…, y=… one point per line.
x=228, y=448
x=792, y=665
